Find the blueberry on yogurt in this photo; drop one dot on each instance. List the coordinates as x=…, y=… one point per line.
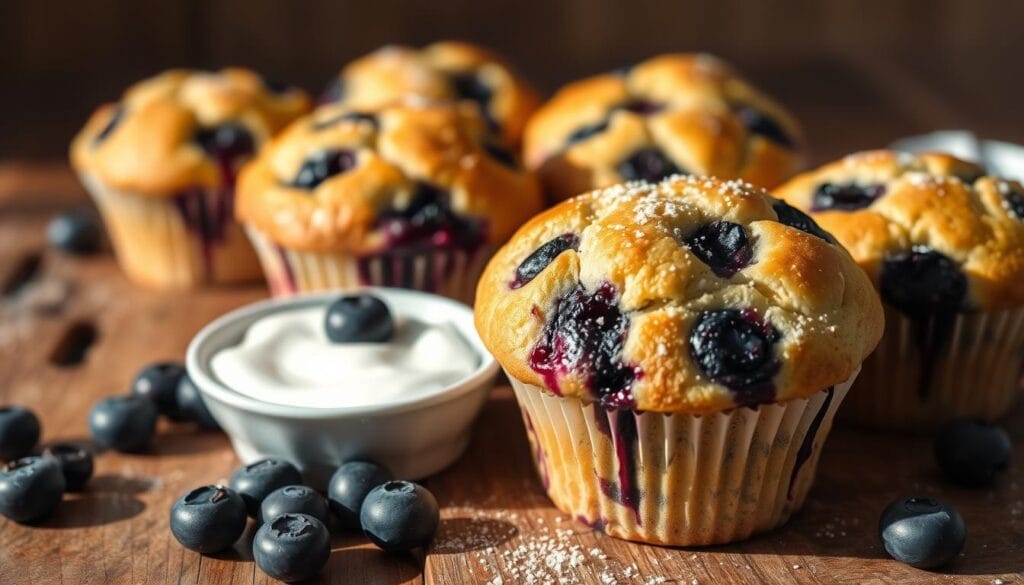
x=359, y=318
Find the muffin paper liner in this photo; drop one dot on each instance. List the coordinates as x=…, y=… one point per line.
x=678, y=479
x=181, y=241
x=449, y=272
x=928, y=371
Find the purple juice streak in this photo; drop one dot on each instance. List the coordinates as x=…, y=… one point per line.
x=538, y=453
x=625, y=490
x=290, y=286
x=807, y=446
x=585, y=334
x=600, y=524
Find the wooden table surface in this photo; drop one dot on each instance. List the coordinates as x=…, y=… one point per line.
x=497, y=524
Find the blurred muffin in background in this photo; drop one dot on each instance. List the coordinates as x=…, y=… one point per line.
x=442, y=71
x=161, y=165
x=672, y=114
x=414, y=195
x=943, y=243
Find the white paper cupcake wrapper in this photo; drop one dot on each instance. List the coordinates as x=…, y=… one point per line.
x=447, y=272
x=176, y=242
x=685, y=480
x=975, y=373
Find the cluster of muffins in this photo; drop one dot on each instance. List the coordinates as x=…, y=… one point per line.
x=680, y=339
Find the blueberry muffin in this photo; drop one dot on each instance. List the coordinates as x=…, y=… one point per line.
x=673, y=114
x=443, y=71
x=412, y=195
x=161, y=165
x=944, y=245
x=679, y=351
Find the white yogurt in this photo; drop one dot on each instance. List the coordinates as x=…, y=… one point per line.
x=286, y=359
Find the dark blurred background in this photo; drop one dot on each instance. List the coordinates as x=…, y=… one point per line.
x=858, y=73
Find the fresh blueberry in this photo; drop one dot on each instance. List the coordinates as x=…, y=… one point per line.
x=723, y=246
x=536, y=262
x=109, y=127
x=922, y=281
x=294, y=499
x=208, y=519
x=922, y=532
x=30, y=488
x=19, y=432
x=359, y=318
x=1013, y=200
x=75, y=462
x=399, y=516
x=794, y=218
x=845, y=197
x=584, y=132
x=124, y=423
x=762, y=124
x=348, y=488
x=585, y=333
x=192, y=406
x=75, y=232
x=226, y=141
x=292, y=547
x=972, y=453
x=159, y=383
x=648, y=165
x=737, y=349
x=323, y=165
x=255, y=481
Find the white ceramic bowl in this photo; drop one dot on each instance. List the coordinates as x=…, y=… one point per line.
x=414, y=438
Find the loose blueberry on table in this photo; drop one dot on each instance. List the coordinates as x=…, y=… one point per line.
x=348, y=488
x=292, y=547
x=30, y=488
x=124, y=423
x=723, y=246
x=294, y=499
x=359, y=318
x=159, y=383
x=75, y=232
x=192, y=405
x=255, y=481
x=973, y=453
x=922, y=532
x=399, y=516
x=208, y=519
x=845, y=197
x=736, y=348
x=19, y=432
x=76, y=463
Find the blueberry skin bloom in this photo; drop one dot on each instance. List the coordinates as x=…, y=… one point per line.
x=358, y=319
x=294, y=499
x=292, y=547
x=922, y=532
x=208, y=519
x=159, y=383
x=972, y=453
x=30, y=488
x=75, y=463
x=400, y=516
x=255, y=481
x=348, y=488
x=19, y=432
x=124, y=423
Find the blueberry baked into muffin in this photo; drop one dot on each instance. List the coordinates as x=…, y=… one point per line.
x=412, y=195
x=442, y=71
x=161, y=165
x=679, y=351
x=944, y=245
x=672, y=114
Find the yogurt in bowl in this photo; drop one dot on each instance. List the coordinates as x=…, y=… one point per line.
x=280, y=387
